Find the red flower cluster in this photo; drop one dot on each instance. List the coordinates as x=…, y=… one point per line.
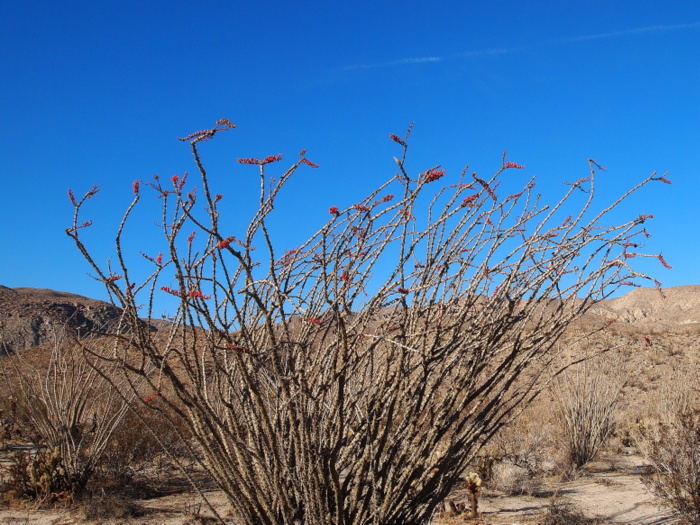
x=113, y=278
x=333, y=210
x=238, y=348
x=218, y=197
x=665, y=180
x=403, y=291
x=345, y=277
x=309, y=163
x=191, y=237
x=361, y=207
x=176, y=293
x=226, y=242
x=397, y=140
x=386, y=198
x=663, y=261
x=469, y=201
x=198, y=294
x=508, y=165
x=71, y=197
x=434, y=174
x=135, y=187
x=266, y=160
x=313, y=320
x=150, y=397
x=159, y=259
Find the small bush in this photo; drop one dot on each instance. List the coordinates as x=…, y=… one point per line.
x=672, y=448
x=563, y=512
x=587, y=396
x=515, y=480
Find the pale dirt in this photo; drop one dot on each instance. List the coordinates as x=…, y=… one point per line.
x=609, y=490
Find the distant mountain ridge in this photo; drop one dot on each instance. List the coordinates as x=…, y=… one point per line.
x=31, y=317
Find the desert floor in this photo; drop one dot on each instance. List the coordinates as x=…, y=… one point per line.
x=608, y=491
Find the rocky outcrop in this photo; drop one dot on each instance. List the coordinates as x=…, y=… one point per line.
x=31, y=317
x=666, y=307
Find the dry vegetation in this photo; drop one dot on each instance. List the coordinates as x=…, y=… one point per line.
x=416, y=350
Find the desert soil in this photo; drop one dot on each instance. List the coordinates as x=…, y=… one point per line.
x=609, y=490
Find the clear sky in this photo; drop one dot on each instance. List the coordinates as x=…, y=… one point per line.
x=98, y=92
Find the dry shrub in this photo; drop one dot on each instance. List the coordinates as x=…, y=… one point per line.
x=587, y=397
x=515, y=480
x=561, y=511
x=67, y=411
x=319, y=382
x=671, y=445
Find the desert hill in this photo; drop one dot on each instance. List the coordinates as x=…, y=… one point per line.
x=30, y=317
x=665, y=308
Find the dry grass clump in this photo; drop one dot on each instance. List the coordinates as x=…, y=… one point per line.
x=563, y=512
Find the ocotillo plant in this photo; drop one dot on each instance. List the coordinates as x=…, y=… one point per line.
x=351, y=379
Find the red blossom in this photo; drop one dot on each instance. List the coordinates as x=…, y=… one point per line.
x=159, y=259
x=403, y=291
x=182, y=182
x=664, y=263
x=251, y=160
x=361, y=207
x=113, y=278
x=135, y=187
x=345, y=277
x=150, y=397
x=174, y=179
x=218, y=197
x=176, y=293
x=665, y=180
x=434, y=174
x=238, y=348
x=488, y=189
x=333, y=210
x=567, y=220
x=226, y=242
x=313, y=320
x=271, y=158
x=386, y=198
x=397, y=140
x=191, y=237
x=198, y=294
x=469, y=201
x=309, y=163
x=407, y=213
x=509, y=165
x=129, y=289
x=71, y=197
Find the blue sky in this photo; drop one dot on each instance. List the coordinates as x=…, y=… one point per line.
x=98, y=92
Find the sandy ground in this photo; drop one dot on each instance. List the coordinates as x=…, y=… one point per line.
x=610, y=490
